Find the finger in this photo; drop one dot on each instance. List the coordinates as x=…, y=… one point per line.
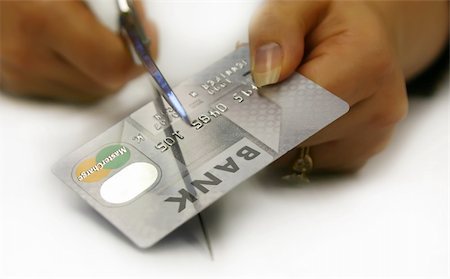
x=348, y=62
x=335, y=71
x=275, y=51
x=91, y=47
x=25, y=84
x=384, y=109
x=63, y=72
x=42, y=63
x=346, y=154
x=349, y=154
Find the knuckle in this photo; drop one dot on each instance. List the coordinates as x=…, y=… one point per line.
x=377, y=48
x=392, y=113
x=378, y=146
x=113, y=76
x=32, y=20
x=380, y=55
x=386, y=118
x=384, y=64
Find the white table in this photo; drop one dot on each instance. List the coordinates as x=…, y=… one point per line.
x=390, y=219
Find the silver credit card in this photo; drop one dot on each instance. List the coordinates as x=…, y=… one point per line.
x=152, y=172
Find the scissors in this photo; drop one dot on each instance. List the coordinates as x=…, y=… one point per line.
x=133, y=31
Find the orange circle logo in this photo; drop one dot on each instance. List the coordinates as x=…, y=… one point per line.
x=95, y=169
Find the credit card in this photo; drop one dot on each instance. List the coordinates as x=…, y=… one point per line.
x=152, y=172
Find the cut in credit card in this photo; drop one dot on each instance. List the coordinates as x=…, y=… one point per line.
x=152, y=172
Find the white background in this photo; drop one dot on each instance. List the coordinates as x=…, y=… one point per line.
x=390, y=219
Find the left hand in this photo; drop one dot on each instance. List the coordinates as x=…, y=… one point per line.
x=59, y=50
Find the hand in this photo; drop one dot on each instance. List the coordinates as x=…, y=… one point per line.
x=356, y=50
x=58, y=50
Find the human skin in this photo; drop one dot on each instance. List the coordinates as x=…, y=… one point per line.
x=59, y=50
x=362, y=51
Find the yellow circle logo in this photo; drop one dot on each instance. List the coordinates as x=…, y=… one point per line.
x=95, y=169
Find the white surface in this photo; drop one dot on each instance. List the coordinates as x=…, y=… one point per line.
x=390, y=219
x=106, y=11
x=129, y=182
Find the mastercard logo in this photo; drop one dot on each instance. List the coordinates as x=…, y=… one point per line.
x=96, y=168
x=131, y=180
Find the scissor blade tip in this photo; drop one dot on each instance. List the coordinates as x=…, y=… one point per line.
x=186, y=119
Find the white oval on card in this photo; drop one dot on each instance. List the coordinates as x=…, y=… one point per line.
x=129, y=183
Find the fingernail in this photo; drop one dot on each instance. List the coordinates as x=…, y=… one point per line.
x=266, y=66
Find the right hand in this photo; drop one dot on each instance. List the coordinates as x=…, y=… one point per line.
x=59, y=50
x=362, y=51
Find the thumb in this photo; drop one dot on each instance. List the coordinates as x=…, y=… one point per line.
x=276, y=35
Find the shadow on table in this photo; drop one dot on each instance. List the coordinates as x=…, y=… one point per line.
x=187, y=235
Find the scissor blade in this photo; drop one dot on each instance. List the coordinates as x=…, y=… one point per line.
x=140, y=44
x=177, y=153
